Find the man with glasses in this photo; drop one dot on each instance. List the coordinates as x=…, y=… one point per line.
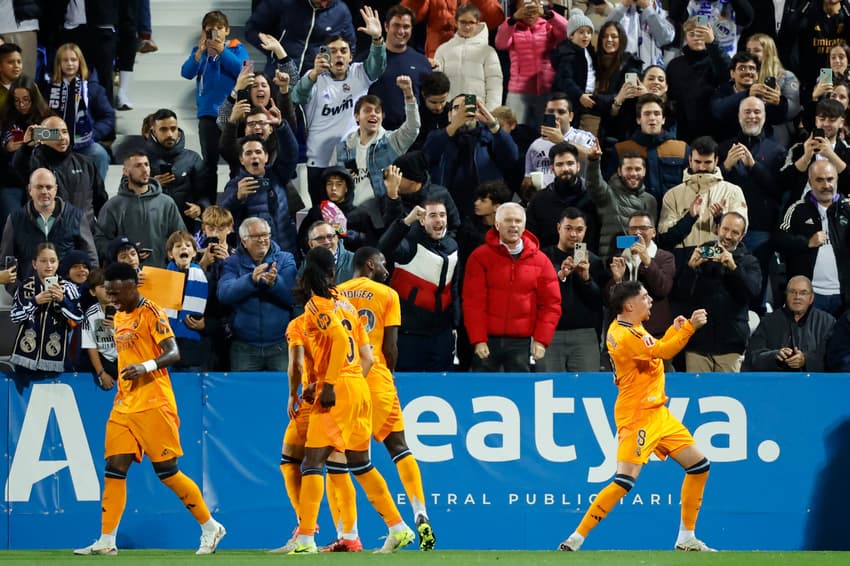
x=722, y=277
x=537, y=156
x=793, y=338
x=645, y=262
x=323, y=234
x=257, y=283
x=744, y=73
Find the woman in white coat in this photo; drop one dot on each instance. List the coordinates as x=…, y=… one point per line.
x=470, y=63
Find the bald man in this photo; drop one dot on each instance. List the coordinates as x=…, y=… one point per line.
x=77, y=179
x=814, y=237
x=45, y=212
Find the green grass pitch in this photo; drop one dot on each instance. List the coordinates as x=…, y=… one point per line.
x=442, y=558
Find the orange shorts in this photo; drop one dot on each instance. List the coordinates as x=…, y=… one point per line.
x=155, y=432
x=296, y=430
x=386, y=414
x=348, y=424
x=652, y=431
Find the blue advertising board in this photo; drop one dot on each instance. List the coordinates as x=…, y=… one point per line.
x=509, y=461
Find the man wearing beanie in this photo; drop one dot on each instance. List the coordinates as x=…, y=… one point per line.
x=573, y=63
x=413, y=188
x=472, y=149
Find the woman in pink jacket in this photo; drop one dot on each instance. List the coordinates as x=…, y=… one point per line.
x=529, y=36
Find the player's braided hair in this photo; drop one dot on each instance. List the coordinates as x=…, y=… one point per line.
x=317, y=277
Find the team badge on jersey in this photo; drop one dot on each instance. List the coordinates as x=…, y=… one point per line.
x=323, y=320
x=648, y=340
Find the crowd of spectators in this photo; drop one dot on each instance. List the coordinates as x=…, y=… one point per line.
x=512, y=160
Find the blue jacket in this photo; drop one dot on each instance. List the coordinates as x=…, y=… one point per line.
x=300, y=28
x=270, y=205
x=215, y=76
x=493, y=154
x=260, y=313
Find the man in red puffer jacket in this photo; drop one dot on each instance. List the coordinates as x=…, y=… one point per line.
x=511, y=296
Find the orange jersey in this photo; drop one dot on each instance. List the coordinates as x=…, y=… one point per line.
x=334, y=335
x=295, y=336
x=378, y=307
x=138, y=335
x=638, y=361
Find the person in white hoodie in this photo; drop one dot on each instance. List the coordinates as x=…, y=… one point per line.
x=471, y=64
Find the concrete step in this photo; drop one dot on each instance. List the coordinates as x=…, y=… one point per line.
x=191, y=13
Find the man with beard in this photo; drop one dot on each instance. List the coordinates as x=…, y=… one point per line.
x=616, y=200
x=140, y=211
x=259, y=191
x=426, y=279
x=752, y=161
x=727, y=98
x=537, y=156
x=77, y=178
x=722, y=277
x=689, y=211
x=179, y=171
x=566, y=190
x=472, y=149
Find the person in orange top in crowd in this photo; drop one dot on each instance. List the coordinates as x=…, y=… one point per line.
x=144, y=417
x=644, y=424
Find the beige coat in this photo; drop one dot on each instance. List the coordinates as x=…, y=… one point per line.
x=677, y=202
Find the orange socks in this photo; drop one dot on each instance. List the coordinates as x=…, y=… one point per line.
x=113, y=503
x=411, y=479
x=188, y=492
x=312, y=489
x=342, y=498
x=602, y=505
x=693, y=487
x=291, y=472
x=376, y=489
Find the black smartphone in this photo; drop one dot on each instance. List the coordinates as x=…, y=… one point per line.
x=242, y=94
x=470, y=100
x=211, y=240
x=165, y=168
x=209, y=34
x=10, y=262
x=770, y=81
x=351, y=165
x=549, y=120
x=263, y=183
x=818, y=133
x=109, y=311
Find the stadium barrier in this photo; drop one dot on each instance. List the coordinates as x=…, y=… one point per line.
x=509, y=461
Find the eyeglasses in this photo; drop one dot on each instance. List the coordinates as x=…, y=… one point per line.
x=794, y=293
x=260, y=237
x=256, y=124
x=324, y=238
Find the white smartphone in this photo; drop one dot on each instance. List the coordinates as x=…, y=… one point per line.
x=51, y=280
x=631, y=78
x=580, y=253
